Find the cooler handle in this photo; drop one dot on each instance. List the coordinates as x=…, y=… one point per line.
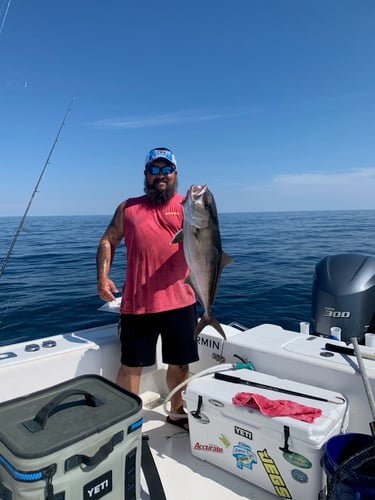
x=39, y=421
x=103, y=452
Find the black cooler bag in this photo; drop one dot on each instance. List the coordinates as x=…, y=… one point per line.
x=78, y=440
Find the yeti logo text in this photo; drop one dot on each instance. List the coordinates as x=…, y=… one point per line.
x=99, y=487
x=243, y=432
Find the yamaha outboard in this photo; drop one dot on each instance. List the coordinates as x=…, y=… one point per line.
x=344, y=296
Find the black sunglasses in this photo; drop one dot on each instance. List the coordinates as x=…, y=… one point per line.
x=155, y=170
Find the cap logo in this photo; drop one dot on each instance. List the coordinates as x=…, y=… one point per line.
x=160, y=153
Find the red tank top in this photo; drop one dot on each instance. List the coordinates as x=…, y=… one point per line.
x=156, y=269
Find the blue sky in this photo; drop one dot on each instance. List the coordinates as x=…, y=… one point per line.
x=269, y=102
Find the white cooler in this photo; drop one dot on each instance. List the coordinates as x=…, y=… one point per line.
x=280, y=454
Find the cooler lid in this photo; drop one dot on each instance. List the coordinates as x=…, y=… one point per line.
x=51, y=419
x=218, y=396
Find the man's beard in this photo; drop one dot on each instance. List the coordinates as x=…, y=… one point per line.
x=157, y=196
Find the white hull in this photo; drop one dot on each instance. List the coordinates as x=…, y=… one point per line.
x=271, y=349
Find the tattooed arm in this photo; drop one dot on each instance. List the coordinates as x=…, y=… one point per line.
x=106, y=251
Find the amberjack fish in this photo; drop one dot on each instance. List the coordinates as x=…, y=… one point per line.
x=203, y=252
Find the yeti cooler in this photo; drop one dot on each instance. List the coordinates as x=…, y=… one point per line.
x=78, y=440
x=280, y=454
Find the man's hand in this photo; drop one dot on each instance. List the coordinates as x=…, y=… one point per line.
x=106, y=289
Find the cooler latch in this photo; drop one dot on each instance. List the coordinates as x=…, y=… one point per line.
x=197, y=413
x=285, y=448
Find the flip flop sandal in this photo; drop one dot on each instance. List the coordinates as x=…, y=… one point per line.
x=179, y=422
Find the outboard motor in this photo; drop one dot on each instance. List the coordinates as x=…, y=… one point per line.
x=343, y=295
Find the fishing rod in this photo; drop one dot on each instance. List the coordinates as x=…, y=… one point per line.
x=21, y=224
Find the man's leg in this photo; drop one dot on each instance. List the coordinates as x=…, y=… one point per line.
x=129, y=378
x=176, y=374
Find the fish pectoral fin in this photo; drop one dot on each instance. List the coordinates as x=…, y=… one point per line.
x=225, y=259
x=178, y=237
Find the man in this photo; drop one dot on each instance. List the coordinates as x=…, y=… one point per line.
x=155, y=299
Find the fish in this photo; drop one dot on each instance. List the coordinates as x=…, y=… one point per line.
x=203, y=252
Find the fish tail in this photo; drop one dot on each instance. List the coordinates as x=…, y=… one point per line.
x=203, y=322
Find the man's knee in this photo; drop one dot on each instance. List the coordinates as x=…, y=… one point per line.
x=129, y=378
x=179, y=368
x=130, y=371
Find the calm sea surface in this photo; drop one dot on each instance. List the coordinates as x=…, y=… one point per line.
x=49, y=284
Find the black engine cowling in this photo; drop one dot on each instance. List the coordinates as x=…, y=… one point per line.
x=343, y=295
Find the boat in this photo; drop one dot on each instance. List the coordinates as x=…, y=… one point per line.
x=298, y=359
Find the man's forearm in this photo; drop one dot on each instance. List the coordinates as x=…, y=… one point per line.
x=104, y=258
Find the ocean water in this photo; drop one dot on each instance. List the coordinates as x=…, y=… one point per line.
x=49, y=284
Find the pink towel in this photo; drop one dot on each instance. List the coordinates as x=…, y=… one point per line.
x=277, y=407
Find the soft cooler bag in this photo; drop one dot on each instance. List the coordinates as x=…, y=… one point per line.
x=78, y=440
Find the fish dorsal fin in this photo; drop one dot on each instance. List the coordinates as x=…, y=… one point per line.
x=178, y=237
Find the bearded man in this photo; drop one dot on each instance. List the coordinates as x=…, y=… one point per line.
x=156, y=301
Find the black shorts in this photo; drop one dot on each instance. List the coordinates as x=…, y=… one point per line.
x=140, y=332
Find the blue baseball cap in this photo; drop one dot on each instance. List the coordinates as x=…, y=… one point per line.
x=163, y=153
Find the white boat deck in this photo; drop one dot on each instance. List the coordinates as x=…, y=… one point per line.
x=185, y=477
